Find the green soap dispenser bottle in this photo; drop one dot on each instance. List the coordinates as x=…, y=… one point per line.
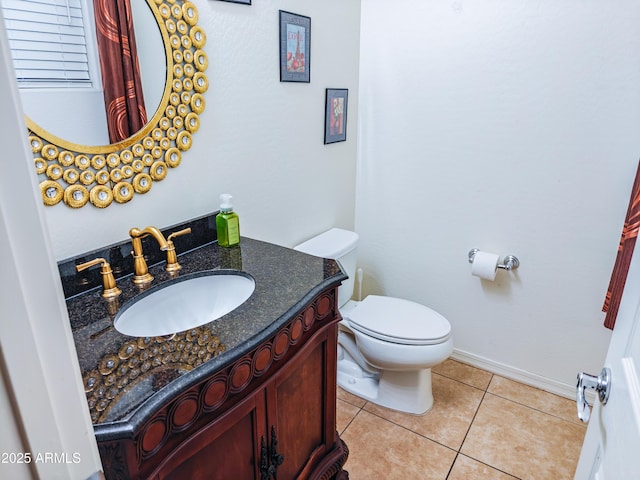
x=227, y=223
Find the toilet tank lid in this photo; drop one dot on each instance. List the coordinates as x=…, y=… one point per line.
x=332, y=244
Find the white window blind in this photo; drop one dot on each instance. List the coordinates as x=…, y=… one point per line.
x=47, y=41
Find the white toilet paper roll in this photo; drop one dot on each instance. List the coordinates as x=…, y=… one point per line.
x=485, y=265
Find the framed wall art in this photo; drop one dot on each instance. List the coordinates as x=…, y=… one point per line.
x=295, y=47
x=335, y=117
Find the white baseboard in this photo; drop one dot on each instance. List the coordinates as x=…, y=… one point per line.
x=518, y=375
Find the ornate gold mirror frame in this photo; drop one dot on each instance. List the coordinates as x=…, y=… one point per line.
x=78, y=174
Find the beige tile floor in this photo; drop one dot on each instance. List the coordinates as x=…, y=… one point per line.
x=481, y=427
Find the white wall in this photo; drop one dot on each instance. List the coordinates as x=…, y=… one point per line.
x=510, y=126
x=43, y=408
x=260, y=140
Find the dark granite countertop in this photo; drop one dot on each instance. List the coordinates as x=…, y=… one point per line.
x=127, y=378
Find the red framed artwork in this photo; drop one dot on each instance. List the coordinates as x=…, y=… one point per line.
x=335, y=123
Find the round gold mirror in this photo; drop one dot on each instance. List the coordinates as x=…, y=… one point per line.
x=79, y=174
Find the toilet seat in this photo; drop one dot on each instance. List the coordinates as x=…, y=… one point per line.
x=399, y=321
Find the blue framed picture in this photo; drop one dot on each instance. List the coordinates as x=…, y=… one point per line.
x=295, y=47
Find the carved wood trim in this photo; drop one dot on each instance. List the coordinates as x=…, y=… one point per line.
x=331, y=467
x=195, y=406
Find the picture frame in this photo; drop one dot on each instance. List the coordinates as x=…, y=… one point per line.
x=295, y=47
x=335, y=116
x=243, y=2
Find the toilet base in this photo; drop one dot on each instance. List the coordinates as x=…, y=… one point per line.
x=408, y=392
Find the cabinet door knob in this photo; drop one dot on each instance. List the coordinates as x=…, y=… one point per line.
x=264, y=460
x=269, y=463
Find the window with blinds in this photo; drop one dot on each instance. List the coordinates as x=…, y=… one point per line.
x=48, y=42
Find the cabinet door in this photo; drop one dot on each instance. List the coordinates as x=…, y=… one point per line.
x=301, y=408
x=228, y=448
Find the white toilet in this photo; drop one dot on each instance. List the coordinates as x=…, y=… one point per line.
x=386, y=345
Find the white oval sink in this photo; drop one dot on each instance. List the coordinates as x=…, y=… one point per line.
x=184, y=304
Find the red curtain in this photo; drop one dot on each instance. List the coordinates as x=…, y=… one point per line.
x=123, y=96
x=625, y=251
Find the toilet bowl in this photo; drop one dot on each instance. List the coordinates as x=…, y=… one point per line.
x=386, y=345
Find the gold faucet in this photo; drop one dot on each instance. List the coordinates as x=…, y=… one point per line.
x=110, y=289
x=141, y=272
x=172, y=259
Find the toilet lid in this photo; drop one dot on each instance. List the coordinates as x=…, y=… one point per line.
x=399, y=321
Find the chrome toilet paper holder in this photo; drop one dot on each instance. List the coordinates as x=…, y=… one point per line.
x=510, y=262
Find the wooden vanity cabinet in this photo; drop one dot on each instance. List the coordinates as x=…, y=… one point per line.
x=271, y=415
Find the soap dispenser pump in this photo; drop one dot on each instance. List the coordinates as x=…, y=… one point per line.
x=227, y=223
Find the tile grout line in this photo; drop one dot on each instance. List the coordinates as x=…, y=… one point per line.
x=349, y=424
x=452, y=464
x=459, y=452
x=408, y=430
x=353, y=404
x=486, y=390
x=484, y=394
x=536, y=409
x=344, y=430
x=486, y=464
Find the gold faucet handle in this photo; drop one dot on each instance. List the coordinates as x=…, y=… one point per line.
x=84, y=266
x=110, y=289
x=178, y=233
x=172, y=258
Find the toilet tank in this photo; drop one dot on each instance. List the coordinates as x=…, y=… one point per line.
x=340, y=245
